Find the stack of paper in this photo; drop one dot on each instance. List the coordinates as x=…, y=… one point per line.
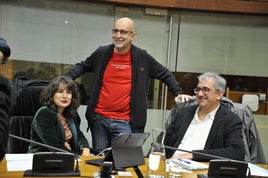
x=190, y=164
x=19, y=162
x=257, y=171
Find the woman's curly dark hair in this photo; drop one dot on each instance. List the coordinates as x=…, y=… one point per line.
x=46, y=96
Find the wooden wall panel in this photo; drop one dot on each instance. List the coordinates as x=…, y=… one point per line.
x=237, y=6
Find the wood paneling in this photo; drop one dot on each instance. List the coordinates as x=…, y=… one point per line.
x=6, y=69
x=236, y=96
x=237, y=6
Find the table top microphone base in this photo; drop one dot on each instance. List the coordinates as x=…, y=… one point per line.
x=30, y=173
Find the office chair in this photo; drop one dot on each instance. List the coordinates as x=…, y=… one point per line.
x=25, y=102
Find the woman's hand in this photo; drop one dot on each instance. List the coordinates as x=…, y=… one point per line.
x=85, y=152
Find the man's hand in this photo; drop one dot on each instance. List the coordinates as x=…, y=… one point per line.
x=182, y=98
x=185, y=156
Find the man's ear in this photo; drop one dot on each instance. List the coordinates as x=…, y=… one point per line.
x=220, y=95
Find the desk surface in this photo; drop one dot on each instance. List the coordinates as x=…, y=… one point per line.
x=88, y=170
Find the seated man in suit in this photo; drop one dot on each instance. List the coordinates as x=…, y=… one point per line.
x=206, y=128
x=4, y=100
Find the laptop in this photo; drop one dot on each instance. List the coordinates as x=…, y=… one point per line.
x=125, y=152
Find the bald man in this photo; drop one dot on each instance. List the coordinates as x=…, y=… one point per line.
x=4, y=100
x=121, y=75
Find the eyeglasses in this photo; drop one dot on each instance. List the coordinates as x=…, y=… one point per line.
x=122, y=32
x=204, y=90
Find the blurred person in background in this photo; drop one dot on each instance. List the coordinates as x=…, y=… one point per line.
x=5, y=99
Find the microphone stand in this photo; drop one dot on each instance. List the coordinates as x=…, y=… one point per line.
x=37, y=143
x=233, y=164
x=203, y=154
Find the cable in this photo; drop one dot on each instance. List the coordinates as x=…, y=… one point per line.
x=103, y=151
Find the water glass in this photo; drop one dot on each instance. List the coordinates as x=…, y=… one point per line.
x=175, y=170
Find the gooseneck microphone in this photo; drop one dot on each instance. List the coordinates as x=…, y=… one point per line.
x=203, y=154
x=38, y=143
x=76, y=170
x=221, y=167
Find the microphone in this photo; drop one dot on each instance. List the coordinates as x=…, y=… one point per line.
x=103, y=151
x=76, y=171
x=203, y=154
x=37, y=143
x=221, y=166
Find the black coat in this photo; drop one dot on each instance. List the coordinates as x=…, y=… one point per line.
x=5, y=100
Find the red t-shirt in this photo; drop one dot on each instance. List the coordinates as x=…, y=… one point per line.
x=114, y=99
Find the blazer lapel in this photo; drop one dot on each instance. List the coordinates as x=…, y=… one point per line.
x=185, y=122
x=74, y=132
x=215, y=126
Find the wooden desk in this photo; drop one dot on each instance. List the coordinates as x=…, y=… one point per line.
x=88, y=170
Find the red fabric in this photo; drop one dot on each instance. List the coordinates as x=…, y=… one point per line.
x=114, y=99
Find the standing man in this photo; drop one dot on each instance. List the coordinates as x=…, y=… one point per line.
x=121, y=75
x=208, y=127
x=4, y=100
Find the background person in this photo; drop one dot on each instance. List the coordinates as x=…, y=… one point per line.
x=5, y=99
x=55, y=123
x=208, y=127
x=121, y=77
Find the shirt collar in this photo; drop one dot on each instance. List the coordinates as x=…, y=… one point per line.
x=210, y=115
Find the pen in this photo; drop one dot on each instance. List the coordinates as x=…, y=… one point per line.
x=188, y=162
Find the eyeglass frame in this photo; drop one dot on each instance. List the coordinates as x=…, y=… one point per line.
x=205, y=90
x=122, y=32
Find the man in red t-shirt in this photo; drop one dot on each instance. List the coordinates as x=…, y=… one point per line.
x=121, y=75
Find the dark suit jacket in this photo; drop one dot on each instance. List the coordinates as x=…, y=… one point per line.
x=4, y=114
x=224, y=139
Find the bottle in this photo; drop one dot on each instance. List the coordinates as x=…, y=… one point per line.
x=157, y=158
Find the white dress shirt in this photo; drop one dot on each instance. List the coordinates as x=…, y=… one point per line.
x=197, y=133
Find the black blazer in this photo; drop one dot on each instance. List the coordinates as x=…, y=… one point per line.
x=224, y=139
x=4, y=114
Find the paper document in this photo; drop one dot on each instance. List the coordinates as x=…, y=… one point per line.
x=190, y=164
x=19, y=162
x=257, y=171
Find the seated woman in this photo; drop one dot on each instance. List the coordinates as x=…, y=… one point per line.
x=56, y=122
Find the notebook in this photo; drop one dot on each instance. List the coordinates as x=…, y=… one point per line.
x=125, y=152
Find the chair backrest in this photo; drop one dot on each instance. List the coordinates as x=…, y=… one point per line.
x=255, y=150
x=251, y=100
x=25, y=102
